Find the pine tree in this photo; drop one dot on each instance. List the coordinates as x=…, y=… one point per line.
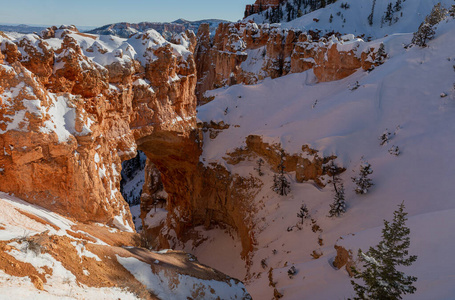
x=397, y=6
x=338, y=207
x=260, y=163
x=280, y=184
x=423, y=34
x=362, y=181
x=370, y=16
x=437, y=14
x=381, y=55
x=426, y=29
x=389, y=14
x=381, y=278
x=303, y=212
x=384, y=138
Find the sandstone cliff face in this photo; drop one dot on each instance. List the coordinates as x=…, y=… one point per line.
x=74, y=105
x=248, y=52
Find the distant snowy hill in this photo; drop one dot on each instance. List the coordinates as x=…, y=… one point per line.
x=351, y=16
x=125, y=30
x=22, y=28
x=345, y=118
x=27, y=28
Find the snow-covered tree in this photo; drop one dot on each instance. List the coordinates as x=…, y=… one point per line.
x=381, y=55
x=280, y=183
x=394, y=150
x=363, y=183
x=303, y=213
x=260, y=163
x=381, y=279
x=338, y=207
x=423, y=34
x=384, y=137
x=437, y=14
x=426, y=29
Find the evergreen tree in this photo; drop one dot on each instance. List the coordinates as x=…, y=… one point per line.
x=362, y=181
x=381, y=278
x=426, y=29
x=338, y=207
x=303, y=212
x=384, y=138
x=280, y=184
x=381, y=55
x=389, y=14
x=370, y=16
x=397, y=6
x=437, y=14
x=423, y=34
x=260, y=163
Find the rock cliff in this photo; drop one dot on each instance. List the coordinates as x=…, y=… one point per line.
x=247, y=52
x=73, y=107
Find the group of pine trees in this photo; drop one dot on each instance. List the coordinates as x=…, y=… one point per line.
x=389, y=15
x=292, y=9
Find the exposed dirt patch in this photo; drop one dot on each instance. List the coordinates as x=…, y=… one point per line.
x=82, y=236
x=37, y=219
x=110, y=236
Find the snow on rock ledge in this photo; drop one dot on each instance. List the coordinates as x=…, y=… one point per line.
x=71, y=113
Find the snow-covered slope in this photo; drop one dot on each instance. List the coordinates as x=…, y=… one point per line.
x=44, y=255
x=412, y=95
x=354, y=19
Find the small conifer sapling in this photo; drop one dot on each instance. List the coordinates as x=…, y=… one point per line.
x=338, y=207
x=280, y=184
x=384, y=138
x=363, y=183
x=303, y=213
x=260, y=163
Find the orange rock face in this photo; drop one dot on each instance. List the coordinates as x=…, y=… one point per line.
x=261, y=5
x=71, y=113
x=248, y=52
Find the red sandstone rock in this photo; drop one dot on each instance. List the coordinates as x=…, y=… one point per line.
x=108, y=109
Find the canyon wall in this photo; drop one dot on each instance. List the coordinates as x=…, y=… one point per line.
x=72, y=108
x=247, y=52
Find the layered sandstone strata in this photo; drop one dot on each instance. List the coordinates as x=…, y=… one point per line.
x=73, y=106
x=249, y=52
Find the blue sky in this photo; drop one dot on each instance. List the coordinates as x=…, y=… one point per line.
x=101, y=12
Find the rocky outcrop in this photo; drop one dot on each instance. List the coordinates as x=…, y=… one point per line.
x=64, y=258
x=307, y=165
x=261, y=5
x=344, y=258
x=73, y=107
x=248, y=52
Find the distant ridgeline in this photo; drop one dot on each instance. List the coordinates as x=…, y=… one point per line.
x=276, y=11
